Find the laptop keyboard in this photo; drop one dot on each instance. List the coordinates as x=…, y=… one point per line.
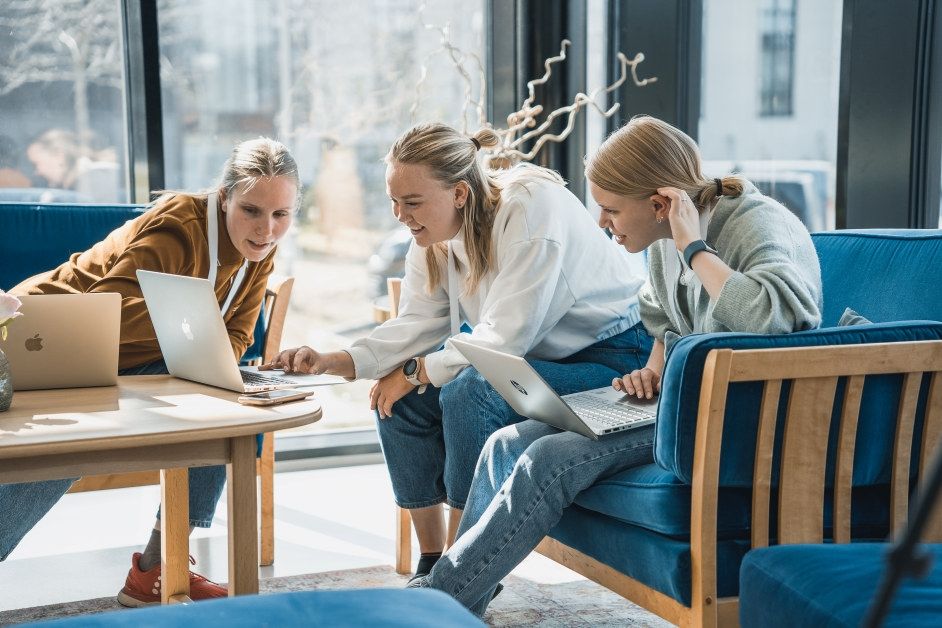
x=251, y=378
x=608, y=414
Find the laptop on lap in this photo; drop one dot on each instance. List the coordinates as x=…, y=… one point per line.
x=592, y=413
x=194, y=340
x=65, y=341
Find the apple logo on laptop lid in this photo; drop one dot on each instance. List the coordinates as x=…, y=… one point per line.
x=35, y=343
x=185, y=327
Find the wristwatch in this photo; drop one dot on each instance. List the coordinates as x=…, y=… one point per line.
x=695, y=247
x=411, y=370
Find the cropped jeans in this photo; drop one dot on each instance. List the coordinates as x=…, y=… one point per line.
x=432, y=441
x=23, y=505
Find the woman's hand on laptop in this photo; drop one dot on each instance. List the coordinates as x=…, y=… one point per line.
x=643, y=383
x=307, y=360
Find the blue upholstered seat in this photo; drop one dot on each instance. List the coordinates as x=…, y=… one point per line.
x=829, y=586
x=638, y=521
x=366, y=608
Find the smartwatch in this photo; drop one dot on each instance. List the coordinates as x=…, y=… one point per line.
x=411, y=370
x=695, y=247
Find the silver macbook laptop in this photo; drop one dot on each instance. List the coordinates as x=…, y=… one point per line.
x=65, y=341
x=194, y=340
x=592, y=413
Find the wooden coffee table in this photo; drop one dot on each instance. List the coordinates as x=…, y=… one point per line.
x=151, y=422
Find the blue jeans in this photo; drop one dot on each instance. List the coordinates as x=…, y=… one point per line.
x=432, y=441
x=23, y=505
x=526, y=476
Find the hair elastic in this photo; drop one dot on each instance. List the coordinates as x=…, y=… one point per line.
x=719, y=186
x=477, y=144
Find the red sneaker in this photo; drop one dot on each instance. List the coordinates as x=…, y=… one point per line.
x=142, y=588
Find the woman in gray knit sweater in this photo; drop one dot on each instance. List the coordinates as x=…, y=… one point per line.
x=722, y=257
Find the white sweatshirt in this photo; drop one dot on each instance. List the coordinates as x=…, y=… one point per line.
x=560, y=284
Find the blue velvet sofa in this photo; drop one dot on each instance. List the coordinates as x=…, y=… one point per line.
x=635, y=533
x=365, y=608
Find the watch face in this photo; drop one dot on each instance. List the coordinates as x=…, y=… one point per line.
x=410, y=367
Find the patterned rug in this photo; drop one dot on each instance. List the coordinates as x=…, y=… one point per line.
x=522, y=602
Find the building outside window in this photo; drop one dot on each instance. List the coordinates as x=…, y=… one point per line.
x=777, y=32
x=793, y=47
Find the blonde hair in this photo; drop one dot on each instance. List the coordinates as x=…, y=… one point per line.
x=248, y=163
x=647, y=154
x=452, y=158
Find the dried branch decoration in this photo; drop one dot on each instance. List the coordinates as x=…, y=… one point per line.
x=526, y=116
x=522, y=125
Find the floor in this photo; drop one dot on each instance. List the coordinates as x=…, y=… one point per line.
x=326, y=519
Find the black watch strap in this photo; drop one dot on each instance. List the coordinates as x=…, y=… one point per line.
x=695, y=247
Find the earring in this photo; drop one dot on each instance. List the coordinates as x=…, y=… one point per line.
x=660, y=220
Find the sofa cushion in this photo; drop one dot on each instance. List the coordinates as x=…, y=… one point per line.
x=679, y=401
x=831, y=585
x=365, y=607
x=881, y=273
x=655, y=499
x=655, y=560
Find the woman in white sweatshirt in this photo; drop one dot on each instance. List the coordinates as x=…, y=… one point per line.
x=519, y=259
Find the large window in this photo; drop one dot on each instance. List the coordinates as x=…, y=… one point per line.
x=62, y=127
x=783, y=139
x=337, y=82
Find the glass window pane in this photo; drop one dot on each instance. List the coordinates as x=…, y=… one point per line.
x=337, y=82
x=62, y=97
x=770, y=101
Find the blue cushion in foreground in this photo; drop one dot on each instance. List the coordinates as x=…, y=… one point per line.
x=831, y=585
x=367, y=608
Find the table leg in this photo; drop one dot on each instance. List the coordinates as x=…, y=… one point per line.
x=243, y=516
x=175, y=535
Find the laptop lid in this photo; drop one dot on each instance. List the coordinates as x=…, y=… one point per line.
x=190, y=330
x=523, y=388
x=65, y=341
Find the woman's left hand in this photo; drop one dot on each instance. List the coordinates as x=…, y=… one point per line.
x=387, y=391
x=683, y=216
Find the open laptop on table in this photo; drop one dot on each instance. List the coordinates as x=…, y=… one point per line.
x=592, y=413
x=194, y=340
x=65, y=341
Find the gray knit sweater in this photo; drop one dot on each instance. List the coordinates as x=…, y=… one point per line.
x=775, y=287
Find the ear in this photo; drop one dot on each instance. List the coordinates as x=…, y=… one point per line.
x=221, y=195
x=661, y=206
x=461, y=194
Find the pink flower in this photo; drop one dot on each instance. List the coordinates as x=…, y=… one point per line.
x=9, y=305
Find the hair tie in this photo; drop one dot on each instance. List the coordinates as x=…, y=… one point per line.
x=477, y=144
x=719, y=186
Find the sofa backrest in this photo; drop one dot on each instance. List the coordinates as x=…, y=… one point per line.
x=883, y=275
x=38, y=237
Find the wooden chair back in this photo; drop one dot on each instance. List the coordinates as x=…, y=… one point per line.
x=814, y=373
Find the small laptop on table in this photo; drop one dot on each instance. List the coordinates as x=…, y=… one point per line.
x=65, y=341
x=194, y=340
x=592, y=413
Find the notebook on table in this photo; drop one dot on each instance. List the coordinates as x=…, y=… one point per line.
x=592, y=413
x=194, y=341
x=64, y=341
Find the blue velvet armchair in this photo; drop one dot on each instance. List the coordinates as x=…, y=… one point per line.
x=671, y=535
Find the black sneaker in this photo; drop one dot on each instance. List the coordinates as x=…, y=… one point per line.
x=426, y=562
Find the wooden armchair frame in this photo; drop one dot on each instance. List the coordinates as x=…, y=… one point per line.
x=814, y=373
x=277, y=297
